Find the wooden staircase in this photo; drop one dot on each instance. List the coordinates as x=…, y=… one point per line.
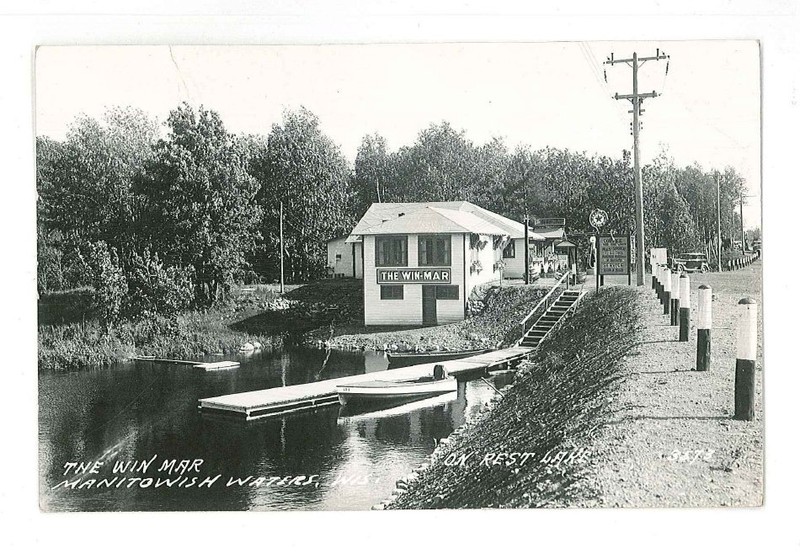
x=565, y=302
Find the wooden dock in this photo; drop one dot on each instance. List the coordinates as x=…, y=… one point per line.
x=281, y=400
x=221, y=365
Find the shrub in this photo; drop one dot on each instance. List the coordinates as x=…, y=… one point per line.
x=110, y=284
x=156, y=289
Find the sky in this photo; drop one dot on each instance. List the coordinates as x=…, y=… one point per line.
x=538, y=94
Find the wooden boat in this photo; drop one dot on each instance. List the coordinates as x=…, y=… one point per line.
x=412, y=357
x=383, y=391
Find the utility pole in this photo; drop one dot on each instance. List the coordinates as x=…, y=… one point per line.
x=281, y=227
x=527, y=263
x=741, y=219
x=719, y=230
x=636, y=99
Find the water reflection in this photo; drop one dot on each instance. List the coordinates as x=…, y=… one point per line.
x=137, y=411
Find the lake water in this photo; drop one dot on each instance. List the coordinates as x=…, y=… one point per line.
x=314, y=460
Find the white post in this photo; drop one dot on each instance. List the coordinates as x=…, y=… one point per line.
x=667, y=290
x=704, y=320
x=674, y=298
x=683, y=312
x=746, y=348
x=659, y=282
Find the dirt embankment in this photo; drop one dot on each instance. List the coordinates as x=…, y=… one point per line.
x=611, y=413
x=530, y=448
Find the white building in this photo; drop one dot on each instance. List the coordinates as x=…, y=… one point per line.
x=422, y=260
x=344, y=259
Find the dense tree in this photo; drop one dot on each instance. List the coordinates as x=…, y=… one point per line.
x=85, y=192
x=197, y=200
x=371, y=179
x=302, y=167
x=85, y=184
x=155, y=224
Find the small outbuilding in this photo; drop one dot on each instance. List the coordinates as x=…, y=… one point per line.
x=344, y=259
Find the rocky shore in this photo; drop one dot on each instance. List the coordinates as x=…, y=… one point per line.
x=497, y=312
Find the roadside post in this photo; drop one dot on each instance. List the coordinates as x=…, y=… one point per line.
x=667, y=290
x=685, y=306
x=704, y=319
x=657, y=277
x=652, y=273
x=674, y=298
x=746, y=347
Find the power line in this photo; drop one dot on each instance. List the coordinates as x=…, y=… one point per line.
x=636, y=100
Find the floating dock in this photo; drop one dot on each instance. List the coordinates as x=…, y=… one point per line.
x=194, y=364
x=281, y=400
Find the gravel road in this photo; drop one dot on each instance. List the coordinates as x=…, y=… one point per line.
x=669, y=439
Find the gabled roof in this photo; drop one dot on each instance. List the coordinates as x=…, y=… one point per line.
x=436, y=217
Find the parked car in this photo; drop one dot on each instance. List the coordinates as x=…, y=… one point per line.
x=690, y=262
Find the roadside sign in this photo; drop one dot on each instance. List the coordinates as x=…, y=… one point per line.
x=613, y=254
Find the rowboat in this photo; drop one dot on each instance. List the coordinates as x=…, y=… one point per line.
x=411, y=357
x=383, y=391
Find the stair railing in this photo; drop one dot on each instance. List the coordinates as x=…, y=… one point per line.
x=563, y=316
x=528, y=321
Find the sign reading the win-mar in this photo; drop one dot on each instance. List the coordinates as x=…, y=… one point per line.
x=613, y=255
x=427, y=276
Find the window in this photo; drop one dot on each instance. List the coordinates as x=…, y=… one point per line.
x=510, y=251
x=391, y=292
x=447, y=292
x=434, y=250
x=391, y=250
x=338, y=257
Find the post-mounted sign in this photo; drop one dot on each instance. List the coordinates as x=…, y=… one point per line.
x=613, y=255
x=421, y=276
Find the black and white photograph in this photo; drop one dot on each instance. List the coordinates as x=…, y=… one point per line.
x=409, y=275
x=290, y=278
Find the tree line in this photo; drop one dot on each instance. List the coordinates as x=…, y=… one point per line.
x=158, y=222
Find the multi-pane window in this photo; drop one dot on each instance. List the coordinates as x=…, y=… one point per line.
x=391, y=292
x=447, y=292
x=391, y=250
x=434, y=250
x=510, y=251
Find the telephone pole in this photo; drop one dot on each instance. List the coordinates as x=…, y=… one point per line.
x=719, y=230
x=281, y=228
x=741, y=221
x=636, y=100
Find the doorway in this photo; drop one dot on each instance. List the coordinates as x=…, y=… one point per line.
x=429, y=305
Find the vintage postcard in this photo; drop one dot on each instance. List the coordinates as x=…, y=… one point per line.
x=399, y=276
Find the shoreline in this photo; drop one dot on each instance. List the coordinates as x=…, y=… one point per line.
x=305, y=316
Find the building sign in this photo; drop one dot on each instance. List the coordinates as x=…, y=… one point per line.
x=613, y=255
x=419, y=275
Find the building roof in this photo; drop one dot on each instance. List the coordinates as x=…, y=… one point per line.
x=551, y=232
x=436, y=217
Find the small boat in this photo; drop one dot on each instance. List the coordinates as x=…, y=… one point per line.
x=384, y=391
x=409, y=357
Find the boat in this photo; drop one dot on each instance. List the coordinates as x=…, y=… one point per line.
x=413, y=357
x=385, y=391
x=353, y=414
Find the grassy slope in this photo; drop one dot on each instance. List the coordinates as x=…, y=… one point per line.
x=555, y=404
x=70, y=335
